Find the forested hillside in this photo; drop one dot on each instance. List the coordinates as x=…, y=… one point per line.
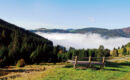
x=128, y=45
x=17, y=43
x=121, y=51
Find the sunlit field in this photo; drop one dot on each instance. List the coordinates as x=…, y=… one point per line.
x=118, y=70
x=112, y=71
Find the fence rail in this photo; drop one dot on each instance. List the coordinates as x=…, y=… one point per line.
x=90, y=60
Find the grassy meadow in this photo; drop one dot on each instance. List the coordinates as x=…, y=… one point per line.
x=112, y=71
x=118, y=70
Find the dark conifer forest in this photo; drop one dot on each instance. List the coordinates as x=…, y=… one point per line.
x=17, y=43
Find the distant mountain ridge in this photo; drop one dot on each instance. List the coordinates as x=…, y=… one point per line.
x=127, y=30
x=124, y=32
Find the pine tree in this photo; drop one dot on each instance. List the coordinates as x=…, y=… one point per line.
x=100, y=51
x=124, y=52
x=90, y=52
x=106, y=52
x=115, y=53
x=3, y=55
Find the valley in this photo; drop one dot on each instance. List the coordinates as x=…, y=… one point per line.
x=26, y=55
x=64, y=40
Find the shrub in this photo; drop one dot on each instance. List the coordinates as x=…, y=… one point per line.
x=20, y=63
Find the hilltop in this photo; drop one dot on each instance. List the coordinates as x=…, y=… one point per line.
x=125, y=32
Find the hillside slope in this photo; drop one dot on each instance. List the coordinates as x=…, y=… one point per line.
x=17, y=43
x=123, y=51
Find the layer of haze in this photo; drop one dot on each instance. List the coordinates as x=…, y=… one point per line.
x=87, y=40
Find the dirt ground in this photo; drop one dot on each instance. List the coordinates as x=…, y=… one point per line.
x=27, y=72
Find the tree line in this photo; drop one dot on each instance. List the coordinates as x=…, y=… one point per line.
x=123, y=51
x=69, y=54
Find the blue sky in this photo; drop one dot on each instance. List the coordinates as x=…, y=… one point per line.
x=32, y=14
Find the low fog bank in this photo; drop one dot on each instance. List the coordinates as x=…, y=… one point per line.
x=86, y=41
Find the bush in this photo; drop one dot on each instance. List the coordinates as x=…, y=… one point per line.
x=20, y=63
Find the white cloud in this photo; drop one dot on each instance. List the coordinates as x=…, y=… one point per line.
x=87, y=40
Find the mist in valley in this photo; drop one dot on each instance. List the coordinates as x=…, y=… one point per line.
x=88, y=40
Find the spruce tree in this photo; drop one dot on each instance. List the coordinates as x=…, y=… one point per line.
x=115, y=53
x=124, y=51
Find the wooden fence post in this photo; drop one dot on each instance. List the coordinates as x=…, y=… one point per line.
x=89, y=61
x=75, y=62
x=103, y=62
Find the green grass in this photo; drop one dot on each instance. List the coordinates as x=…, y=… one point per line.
x=112, y=71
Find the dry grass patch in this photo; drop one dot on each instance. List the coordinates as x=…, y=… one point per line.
x=30, y=72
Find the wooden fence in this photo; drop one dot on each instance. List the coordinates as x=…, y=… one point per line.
x=89, y=61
